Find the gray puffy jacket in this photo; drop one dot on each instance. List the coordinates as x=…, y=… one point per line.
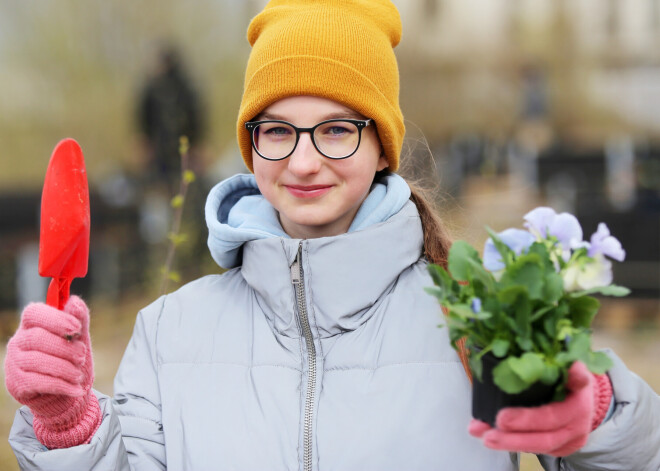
x=319, y=354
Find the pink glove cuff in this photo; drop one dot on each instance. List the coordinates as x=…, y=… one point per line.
x=602, y=399
x=72, y=427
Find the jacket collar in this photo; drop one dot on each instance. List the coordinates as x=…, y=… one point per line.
x=345, y=276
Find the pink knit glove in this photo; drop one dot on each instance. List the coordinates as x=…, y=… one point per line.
x=558, y=428
x=48, y=367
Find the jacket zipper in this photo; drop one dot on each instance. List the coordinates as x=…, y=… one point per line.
x=297, y=278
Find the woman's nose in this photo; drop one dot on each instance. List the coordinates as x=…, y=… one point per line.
x=305, y=159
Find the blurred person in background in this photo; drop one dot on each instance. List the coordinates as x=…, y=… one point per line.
x=168, y=108
x=318, y=348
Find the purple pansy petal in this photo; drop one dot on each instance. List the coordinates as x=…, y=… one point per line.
x=602, y=242
x=492, y=258
x=476, y=305
x=539, y=220
x=516, y=239
x=566, y=228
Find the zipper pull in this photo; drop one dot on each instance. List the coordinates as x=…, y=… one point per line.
x=295, y=267
x=295, y=272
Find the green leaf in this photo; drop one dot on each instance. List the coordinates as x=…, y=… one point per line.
x=443, y=281
x=527, y=272
x=529, y=367
x=536, y=315
x=578, y=345
x=522, y=313
x=610, y=290
x=542, y=341
x=550, y=374
x=507, y=379
x=598, y=362
x=510, y=294
x=541, y=250
x=553, y=288
x=465, y=311
x=460, y=255
x=583, y=310
x=525, y=343
x=500, y=347
x=565, y=329
x=476, y=366
x=435, y=291
x=479, y=273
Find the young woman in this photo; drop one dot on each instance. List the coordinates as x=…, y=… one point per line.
x=317, y=349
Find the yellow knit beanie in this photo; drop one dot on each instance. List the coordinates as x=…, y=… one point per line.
x=336, y=49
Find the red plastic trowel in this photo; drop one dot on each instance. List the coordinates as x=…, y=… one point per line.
x=64, y=238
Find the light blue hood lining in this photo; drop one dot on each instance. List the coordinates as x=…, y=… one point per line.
x=236, y=213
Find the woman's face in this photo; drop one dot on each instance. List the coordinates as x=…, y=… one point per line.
x=314, y=195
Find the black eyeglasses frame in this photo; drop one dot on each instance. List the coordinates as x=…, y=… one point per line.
x=359, y=123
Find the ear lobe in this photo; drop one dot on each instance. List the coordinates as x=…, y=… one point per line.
x=382, y=162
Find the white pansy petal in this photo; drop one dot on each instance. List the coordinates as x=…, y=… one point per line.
x=595, y=274
x=569, y=275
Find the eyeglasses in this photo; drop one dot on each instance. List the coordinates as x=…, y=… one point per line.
x=334, y=138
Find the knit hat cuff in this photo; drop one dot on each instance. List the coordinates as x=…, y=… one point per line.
x=310, y=75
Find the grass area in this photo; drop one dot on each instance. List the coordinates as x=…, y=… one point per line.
x=112, y=324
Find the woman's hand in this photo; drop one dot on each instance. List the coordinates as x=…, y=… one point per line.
x=558, y=428
x=49, y=368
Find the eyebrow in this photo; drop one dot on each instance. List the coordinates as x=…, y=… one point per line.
x=347, y=114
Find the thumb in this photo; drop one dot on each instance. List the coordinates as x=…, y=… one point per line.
x=579, y=376
x=477, y=428
x=77, y=308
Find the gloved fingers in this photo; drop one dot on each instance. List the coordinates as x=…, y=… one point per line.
x=40, y=340
x=53, y=320
x=577, y=407
x=477, y=428
x=47, y=365
x=29, y=385
x=535, y=442
x=547, y=418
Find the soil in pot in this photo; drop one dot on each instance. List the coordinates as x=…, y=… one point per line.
x=488, y=399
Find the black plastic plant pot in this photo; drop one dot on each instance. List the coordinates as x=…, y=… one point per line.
x=488, y=398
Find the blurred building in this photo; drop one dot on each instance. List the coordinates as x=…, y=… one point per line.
x=601, y=58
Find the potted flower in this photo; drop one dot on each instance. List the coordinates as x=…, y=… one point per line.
x=525, y=310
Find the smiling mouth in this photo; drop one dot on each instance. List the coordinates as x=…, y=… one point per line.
x=308, y=191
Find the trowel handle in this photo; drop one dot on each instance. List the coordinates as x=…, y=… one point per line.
x=58, y=292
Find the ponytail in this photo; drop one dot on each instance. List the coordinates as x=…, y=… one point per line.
x=436, y=249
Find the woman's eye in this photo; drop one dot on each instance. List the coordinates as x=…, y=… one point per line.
x=277, y=131
x=337, y=130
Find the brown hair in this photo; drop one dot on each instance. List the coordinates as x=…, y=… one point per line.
x=436, y=244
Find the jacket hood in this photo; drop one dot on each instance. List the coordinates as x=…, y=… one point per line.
x=237, y=213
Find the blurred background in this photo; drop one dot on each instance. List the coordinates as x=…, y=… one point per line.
x=509, y=104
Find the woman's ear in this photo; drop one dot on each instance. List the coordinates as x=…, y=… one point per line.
x=382, y=162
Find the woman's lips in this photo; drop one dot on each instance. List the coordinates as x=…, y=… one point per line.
x=307, y=191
